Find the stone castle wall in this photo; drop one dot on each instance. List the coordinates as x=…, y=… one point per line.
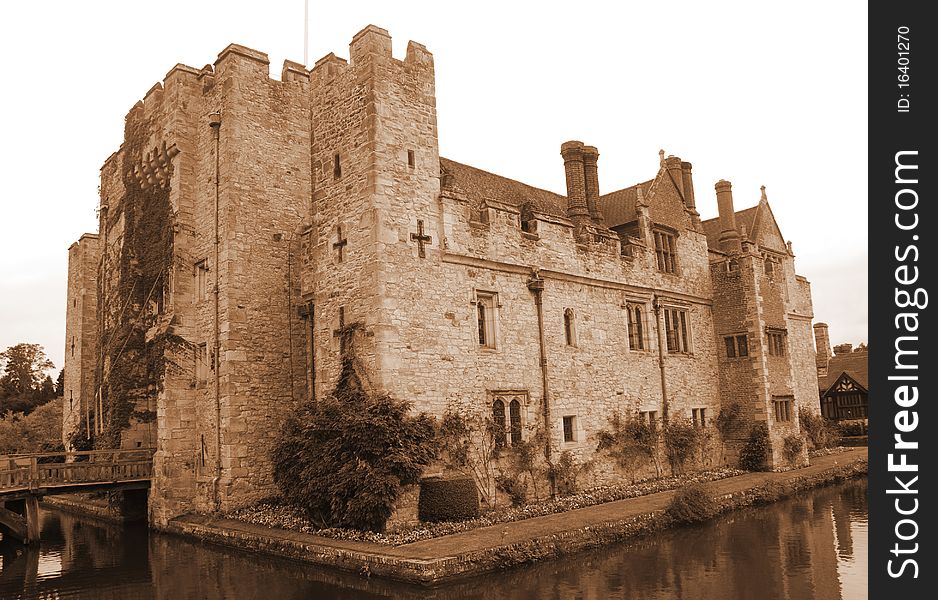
x=314, y=188
x=81, y=335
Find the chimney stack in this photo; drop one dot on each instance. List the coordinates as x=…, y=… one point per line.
x=822, y=342
x=840, y=349
x=729, y=236
x=591, y=181
x=577, y=209
x=673, y=165
x=688, y=186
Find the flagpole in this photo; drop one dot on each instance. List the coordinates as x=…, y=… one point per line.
x=306, y=33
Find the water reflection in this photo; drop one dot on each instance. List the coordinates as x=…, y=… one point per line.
x=813, y=547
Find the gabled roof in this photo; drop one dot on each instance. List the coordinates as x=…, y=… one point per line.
x=482, y=185
x=854, y=364
x=619, y=207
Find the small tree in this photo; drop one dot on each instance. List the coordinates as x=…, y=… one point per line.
x=754, y=455
x=343, y=461
x=681, y=441
x=467, y=445
x=628, y=442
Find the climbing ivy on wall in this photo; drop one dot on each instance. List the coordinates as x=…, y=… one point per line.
x=132, y=373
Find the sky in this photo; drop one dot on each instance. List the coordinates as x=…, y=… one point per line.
x=757, y=93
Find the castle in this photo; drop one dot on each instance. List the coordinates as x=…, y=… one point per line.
x=246, y=224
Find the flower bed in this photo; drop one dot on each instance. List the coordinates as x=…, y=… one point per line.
x=277, y=515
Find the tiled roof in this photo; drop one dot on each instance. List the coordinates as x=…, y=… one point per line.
x=619, y=207
x=481, y=185
x=745, y=217
x=854, y=364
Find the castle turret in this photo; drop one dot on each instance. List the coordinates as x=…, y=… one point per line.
x=577, y=209
x=729, y=236
x=822, y=342
x=591, y=180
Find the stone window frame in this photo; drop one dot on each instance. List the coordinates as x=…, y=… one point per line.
x=734, y=350
x=486, y=308
x=776, y=341
x=666, y=255
x=641, y=336
x=699, y=416
x=200, y=365
x=784, y=408
x=771, y=263
x=510, y=432
x=684, y=341
x=650, y=417
x=577, y=434
x=200, y=272
x=569, y=328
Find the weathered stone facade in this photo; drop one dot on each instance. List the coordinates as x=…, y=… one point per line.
x=81, y=339
x=247, y=222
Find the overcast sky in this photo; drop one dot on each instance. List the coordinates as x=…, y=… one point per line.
x=758, y=93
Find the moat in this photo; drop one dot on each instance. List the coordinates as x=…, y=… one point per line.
x=810, y=547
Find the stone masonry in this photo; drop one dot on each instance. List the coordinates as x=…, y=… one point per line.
x=248, y=222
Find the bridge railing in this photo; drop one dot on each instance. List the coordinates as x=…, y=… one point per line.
x=33, y=471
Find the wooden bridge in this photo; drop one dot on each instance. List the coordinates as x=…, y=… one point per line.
x=25, y=478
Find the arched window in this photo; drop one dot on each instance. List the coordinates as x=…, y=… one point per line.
x=498, y=417
x=569, y=333
x=514, y=415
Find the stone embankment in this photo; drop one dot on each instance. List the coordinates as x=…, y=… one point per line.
x=500, y=546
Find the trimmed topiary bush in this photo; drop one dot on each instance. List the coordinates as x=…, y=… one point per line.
x=754, y=455
x=691, y=504
x=452, y=499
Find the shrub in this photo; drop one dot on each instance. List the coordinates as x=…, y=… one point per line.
x=681, y=441
x=515, y=487
x=754, y=455
x=794, y=444
x=452, y=499
x=627, y=442
x=565, y=472
x=691, y=504
x=821, y=432
x=852, y=428
x=343, y=460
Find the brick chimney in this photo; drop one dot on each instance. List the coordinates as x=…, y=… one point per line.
x=822, y=342
x=673, y=164
x=688, y=186
x=577, y=209
x=729, y=236
x=591, y=180
x=840, y=349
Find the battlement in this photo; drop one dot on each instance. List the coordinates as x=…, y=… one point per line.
x=373, y=44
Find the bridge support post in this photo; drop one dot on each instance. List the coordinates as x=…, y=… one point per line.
x=32, y=519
